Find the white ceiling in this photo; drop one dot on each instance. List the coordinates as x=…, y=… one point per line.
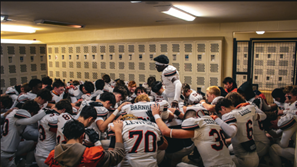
x=112, y=14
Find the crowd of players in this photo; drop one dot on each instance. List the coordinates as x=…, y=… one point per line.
x=160, y=123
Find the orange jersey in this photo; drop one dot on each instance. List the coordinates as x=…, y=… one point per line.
x=90, y=157
x=233, y=90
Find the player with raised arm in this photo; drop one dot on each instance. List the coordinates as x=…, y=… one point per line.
x=204, y=132
x=237, y=122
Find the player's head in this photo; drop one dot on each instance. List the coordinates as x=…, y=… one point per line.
x=131, y=86
x=212, y=92
x=120, y=82
x=161, y=62
x=46, y=81
x=150, y=80
x=31, y=106
x=129, y=117
x=190, y=114
x=64, y=105
x=99, y=84
x=290, y=93
x=5, y=102
x=186, y=89
x=235, y=98
x=106, y=78
x=108, y=99
x=58, y=86
x=143, y=97
x=229, y=83
x=43, y=96
x=140, y=90
x=35, y=85
x=87, y=115
x=75, y=83
x=157, y=87
x=74, y=129
x=278, y=95
x=88, y=87
x=120, y=93
x=224, y=106
x=246, y=90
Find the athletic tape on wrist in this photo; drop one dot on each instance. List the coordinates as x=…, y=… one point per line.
x=157, y=116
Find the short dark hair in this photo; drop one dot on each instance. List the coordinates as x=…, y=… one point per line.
x=108, y=96
x=58, y=83
x=31, y=106
x=156, y=86
x=26, y=87
x=120, y=82
x=73, y=129
x=106, y=78
x=186, y=87
x=88, y=111
x=64, y=104
x=99, y=84
x=142, y=89
x=235, y=98
x=34, y=82
x=190, y=113
x=230, y=80
x=151, y=80
x=75, y=83
x=47, y=80
x=6, y=101
x=45, y=94
x=223, y=102
x=121, y=90
x=291, y=89
x=89, y=86
x=278, y=92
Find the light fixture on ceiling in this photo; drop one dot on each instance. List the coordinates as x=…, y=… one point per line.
x=4, y=18
x=18, y=41
x=50, y=22
x=260, y=32
x=179, y=14
x=14, y=28
x=135, y=1
x=188, y=10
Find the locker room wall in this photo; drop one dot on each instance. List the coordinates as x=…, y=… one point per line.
x=199, y=62
x=21, y=63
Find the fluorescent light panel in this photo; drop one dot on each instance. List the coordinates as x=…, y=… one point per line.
x=13, y=28
x=260, y=32
x=179, y=14
x=18, y=41
x=188, y=9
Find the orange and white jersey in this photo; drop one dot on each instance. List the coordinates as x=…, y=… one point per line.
x=209, y=140
x=140, y=139
x=168, y=74
x=62, y=119
x=291, y=108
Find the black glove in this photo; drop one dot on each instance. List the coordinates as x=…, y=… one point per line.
x=174, y=104
x=49, y=111
x=93, y=135
x=151, y=117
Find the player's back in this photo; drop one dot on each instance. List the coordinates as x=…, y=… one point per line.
x=209, y=140
x=62, y=119
x=140, y=141
x=11, y=136
x=244, y=118
x=47, y=136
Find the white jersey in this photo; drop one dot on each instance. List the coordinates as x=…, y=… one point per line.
x=74, y=93
x=194, y=98
x=159, y=98
x=56, y=97
x=216, y=99
x=142, y=110
x=107, y=88
x=291, y=108
x=168, y=74
x=279, y=104
x=88, y=96
x=62, y=120
x=243, y=118
x=24, y=97
x=12, y=92
x=47, y=135
x=11, y=136
x=140, y=139
x=209, y=140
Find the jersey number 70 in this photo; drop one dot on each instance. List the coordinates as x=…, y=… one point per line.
x=147, y=141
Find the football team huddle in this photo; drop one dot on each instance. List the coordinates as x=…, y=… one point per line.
x=159, y=123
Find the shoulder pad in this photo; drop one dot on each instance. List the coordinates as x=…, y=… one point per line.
x=101, y=111
x=215, y=100
x=285, y=122
x=169, y=71
x=229, y=118
x=23, y=98
x=95, y=104
x=21, y=113
x=192, y=123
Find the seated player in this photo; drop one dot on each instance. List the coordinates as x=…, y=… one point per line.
x=88, y=91
x=191, y=96
x=107, y=87
x=291, y=100
x=74, y=91
x=15, y=91
x=57, y=92
x=287, y=124
x=14, y=125
x=99, y=85
x=279, y=98
x=73, y=153
x=142, y=140
x=158, y=91
x=204, y=132
x=47, y=83
x=230, y=85
x=237, y=122
x=131, y=88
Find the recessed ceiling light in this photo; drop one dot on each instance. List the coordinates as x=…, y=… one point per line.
x=18, y=41
x=14, y=28
x=179, y=14
x=50, y=22
x=260, y=32
x=188, y=10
